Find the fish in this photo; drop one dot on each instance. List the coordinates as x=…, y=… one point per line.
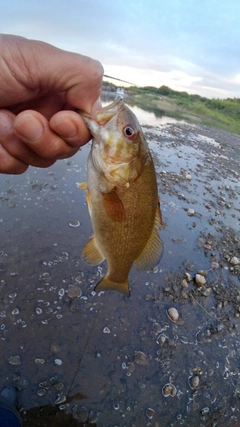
x=122, y=197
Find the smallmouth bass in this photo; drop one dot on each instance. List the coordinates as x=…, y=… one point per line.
x=122, y=198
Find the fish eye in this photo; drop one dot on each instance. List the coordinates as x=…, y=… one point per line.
x=129, y=132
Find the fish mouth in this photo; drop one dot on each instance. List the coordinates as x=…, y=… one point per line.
x=104, y=115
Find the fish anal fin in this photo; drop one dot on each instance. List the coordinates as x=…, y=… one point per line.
x=113, y=206
x=152, y=253
x=106, y=284
x=91, y=253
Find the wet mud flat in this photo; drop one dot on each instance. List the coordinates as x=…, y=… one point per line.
x=81, y=358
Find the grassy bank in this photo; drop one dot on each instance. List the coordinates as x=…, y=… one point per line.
x=222, y=113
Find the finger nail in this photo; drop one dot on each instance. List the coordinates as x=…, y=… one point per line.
x=97, y=105
x=6, y=123
x=30, y=128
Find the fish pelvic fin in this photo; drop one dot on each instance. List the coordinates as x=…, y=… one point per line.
x=106, y=284
x=91, y=253
x=153, y=251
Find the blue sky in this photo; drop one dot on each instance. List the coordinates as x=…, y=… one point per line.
x=185, y=44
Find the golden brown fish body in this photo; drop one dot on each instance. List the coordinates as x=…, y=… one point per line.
x=122, y=197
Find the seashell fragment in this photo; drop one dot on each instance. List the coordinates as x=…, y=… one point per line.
x=150, y=413
x=74, y=223
x=60, y=399
x=169, y=390
x=173, y=314
x=140, y=358
x=14, y=360
x=74, y=291
x=190, y=212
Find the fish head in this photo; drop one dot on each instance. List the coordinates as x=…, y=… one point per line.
x=118, y=145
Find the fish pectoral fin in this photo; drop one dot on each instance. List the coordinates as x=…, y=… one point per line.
x=106, y=284
x=91, y=253
x=84, y=186
x=113, y=206
x=152, y=253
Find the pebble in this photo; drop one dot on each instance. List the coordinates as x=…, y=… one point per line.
x=190, y=212
x=188, y=277
x=74, y=291
x=200, y=280
x=234, y=260
x=173, y=314
x=207, y=292
x=58, y=362
x=14, y=360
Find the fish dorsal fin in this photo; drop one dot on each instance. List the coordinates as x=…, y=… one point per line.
x=91, y=253
x=113, y=205
x=152, y=253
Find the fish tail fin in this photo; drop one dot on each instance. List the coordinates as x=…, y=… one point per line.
x=107, y=284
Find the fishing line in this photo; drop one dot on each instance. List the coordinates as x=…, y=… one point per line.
x=84, y=350
x=115, y=78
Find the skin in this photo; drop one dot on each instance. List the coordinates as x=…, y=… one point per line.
x=40, y=87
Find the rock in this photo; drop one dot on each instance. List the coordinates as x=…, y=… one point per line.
x=200, y=280
x=173, y=314
x=234, y=260
x=188, y=277
x=207, y=292
x=202, y=273
x=190, y=212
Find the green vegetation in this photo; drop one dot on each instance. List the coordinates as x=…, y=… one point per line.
x=223, y=113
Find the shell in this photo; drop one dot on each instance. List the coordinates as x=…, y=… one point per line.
x=194, y=381
x=140, y=358
x=173, y=314
x=169, y=390
x=150, y=413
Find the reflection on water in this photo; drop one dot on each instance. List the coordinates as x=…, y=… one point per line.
x=144, y=117
x=58, y=338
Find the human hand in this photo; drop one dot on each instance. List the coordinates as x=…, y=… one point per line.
x=40, y=86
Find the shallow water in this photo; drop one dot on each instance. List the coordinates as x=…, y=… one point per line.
x=87, y=344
